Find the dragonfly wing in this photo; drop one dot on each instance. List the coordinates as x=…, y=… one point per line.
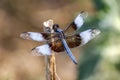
x=37, y=36
x=73, y=40
x=77, y=23
x=82, y=38
x=79, y=20
x=42, y=50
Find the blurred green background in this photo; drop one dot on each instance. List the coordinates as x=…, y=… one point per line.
x=98, y=60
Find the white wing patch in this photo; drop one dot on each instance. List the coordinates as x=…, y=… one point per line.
x=79, y=20
x=32, y=36
x=89, y=34
x=42, y=50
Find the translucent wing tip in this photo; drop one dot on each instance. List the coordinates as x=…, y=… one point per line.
x=95, y=32
x=35, y=52
x=24, y=35
x=83, y=14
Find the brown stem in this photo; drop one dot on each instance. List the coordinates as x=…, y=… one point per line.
x=50, y=60
x=47, y=67
x=50, y=67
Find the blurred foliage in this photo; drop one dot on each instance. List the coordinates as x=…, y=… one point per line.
x=95, y=53
x=100, y=5
x=87, y=65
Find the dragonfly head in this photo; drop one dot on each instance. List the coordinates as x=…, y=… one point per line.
x=55, y=27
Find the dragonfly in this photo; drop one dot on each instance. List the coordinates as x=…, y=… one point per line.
x=60, y=40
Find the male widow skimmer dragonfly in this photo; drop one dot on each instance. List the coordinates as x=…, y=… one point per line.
x=62, y=41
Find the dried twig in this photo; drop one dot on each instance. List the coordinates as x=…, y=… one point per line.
x=50, y=60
